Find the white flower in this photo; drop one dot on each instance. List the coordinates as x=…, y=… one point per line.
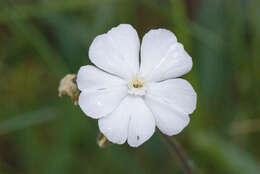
x=131, y=99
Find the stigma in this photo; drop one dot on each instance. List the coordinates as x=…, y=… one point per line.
x=137, y=86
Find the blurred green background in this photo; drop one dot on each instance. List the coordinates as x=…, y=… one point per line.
x=43, y=40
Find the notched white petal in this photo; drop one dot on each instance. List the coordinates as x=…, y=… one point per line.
x=126, y=39
x=162, y=57
x=98, y=103
x=115, y=125
x=168, y=120
x=142, y=124
x=90, y=77
x=178, y=93
x=117, y=51
x=131, y=120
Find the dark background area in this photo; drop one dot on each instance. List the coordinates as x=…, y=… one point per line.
x=43, y=40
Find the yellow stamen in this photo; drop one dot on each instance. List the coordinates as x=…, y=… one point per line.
x=137, y=83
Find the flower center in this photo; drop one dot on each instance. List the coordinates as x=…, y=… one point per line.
x=137, y=86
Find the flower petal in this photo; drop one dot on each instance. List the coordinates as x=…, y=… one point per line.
x=115, y=125
x=171, y=102
x=178, y=93
x=141, y=125
x=162, y=57
x=168, y=120
x=117, y=51
x=100, y=102
x=90, y=77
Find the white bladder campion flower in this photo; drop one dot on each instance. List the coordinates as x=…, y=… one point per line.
x=130, y=97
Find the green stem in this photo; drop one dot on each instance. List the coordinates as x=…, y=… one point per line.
x=180, y=153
